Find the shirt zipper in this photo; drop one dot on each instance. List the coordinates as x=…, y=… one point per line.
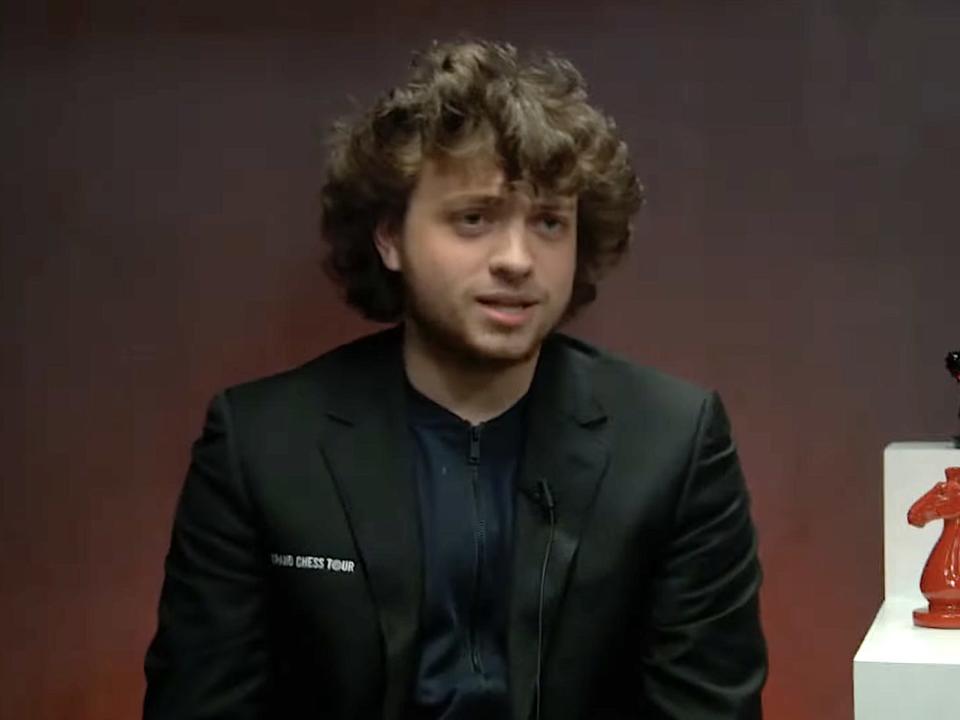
x=479, y=539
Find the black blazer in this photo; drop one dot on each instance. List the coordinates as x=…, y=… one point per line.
x=650, y=600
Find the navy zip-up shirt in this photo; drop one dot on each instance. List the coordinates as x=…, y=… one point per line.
x=465, y=476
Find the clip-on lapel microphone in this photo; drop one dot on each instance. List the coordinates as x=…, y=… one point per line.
x=544, y=498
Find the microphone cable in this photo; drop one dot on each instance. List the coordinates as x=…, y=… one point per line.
x=547, y=503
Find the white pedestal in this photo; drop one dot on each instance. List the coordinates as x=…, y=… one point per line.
x=902, y=671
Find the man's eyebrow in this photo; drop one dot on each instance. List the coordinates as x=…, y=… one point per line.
x=493, y=200
x=562, y=204
x=475, y=199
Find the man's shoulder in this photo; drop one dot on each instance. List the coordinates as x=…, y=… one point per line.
x=621, y=384
x=626, y=385
x=312, y=379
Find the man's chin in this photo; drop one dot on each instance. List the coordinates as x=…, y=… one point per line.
x=493, y=352
x=502, y=350
x=480, y=345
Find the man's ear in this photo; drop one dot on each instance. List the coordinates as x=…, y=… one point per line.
x=386, y=237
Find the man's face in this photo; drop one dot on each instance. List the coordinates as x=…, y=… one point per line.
x=488, y=270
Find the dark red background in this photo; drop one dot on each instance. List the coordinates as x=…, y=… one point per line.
x=159, y=169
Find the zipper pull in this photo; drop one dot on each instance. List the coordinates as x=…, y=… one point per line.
x=475, y=444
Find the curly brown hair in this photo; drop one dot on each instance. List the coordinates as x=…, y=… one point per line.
x=464, y=98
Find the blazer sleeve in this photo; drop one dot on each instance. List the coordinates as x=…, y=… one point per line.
x=209, y=656
x=705, y=658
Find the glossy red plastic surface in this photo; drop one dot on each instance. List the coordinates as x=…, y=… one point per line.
x=940, y=582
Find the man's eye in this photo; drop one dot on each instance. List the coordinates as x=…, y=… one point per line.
x=552, y=223
x=472, y=221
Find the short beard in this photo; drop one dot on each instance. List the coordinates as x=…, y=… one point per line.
x=450, y=346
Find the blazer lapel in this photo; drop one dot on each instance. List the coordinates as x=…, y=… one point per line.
x=365, y=444
x=567, y=447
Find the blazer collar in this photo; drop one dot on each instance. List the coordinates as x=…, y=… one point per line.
x=365, y=442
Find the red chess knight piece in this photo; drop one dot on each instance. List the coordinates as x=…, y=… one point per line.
x=940, y=582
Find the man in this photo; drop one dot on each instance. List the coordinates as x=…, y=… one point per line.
x=468, y=515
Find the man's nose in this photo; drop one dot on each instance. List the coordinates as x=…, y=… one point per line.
x=511, y=254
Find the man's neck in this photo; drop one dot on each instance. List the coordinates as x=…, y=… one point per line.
x=473, y=391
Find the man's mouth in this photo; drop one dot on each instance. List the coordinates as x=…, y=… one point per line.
x=511, y=312
x=506, y=301
x=506, y=307
x=509, y=309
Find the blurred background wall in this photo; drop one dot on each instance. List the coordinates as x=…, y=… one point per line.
x=159, y=169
